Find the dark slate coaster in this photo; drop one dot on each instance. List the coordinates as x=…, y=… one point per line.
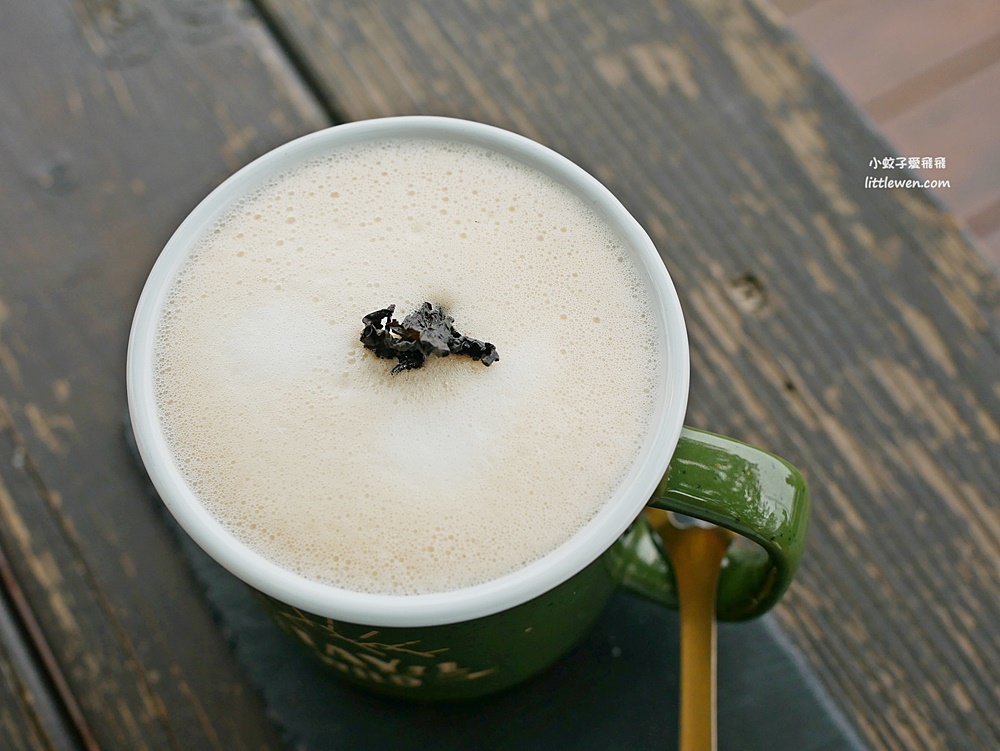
x=616, y=690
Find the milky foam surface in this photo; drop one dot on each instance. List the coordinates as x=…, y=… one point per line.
x=302, y=444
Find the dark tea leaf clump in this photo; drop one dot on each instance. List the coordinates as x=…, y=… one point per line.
x=426, y=332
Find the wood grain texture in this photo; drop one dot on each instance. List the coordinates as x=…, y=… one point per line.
x=964, y=117
x=936, y=80
x=42, y=699
x=876, y=47
x=854, y=331
x=925, y=71
x=117, y=117
x=22, y=726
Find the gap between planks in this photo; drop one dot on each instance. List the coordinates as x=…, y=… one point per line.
x=55, y=708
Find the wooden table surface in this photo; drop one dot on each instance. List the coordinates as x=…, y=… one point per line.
x=854, y=331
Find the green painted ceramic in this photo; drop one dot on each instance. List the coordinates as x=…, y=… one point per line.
x=736, y=486
x=463, y=643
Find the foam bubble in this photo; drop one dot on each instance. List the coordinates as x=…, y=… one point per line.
x=303, y=445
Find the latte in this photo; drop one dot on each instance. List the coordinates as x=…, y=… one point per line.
x=309, y=450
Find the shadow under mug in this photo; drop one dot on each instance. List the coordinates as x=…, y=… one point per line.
x=482, y=639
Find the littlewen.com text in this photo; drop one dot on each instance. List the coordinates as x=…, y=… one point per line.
x=891, y=182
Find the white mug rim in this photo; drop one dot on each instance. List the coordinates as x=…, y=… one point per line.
x=439, y=608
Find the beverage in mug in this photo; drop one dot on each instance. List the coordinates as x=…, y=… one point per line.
x=442, y=531
x=313, y=453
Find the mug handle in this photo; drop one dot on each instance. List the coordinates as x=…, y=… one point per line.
x=760, y=497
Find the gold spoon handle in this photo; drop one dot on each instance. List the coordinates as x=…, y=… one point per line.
x=696, y=555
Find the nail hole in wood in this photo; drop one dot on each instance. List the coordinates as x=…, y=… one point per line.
x=748, y=292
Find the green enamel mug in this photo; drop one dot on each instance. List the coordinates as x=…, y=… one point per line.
x=480, y=639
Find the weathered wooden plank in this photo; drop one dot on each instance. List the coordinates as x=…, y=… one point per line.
x=116, y=118
x=936, y=80
x=20, y=733
x=109, y=684
x=926, y=73
x=875, y=48
x=790, y=7
x=991, y=242
x=21, y=724
x=960, y=123
x=854, y=331
x=41, y=703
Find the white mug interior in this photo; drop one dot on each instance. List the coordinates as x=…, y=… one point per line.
x=426, y=609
